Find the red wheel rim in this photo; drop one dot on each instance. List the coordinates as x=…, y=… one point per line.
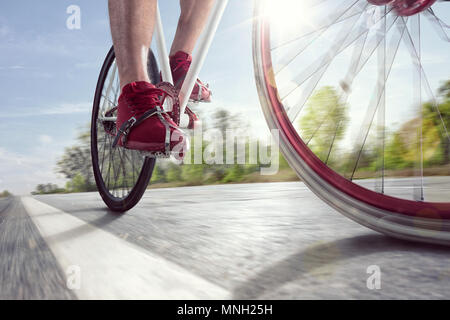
x=411, y=7
x=431, y=210
x=380, y=2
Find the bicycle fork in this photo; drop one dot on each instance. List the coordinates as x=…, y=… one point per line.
x=202, y=49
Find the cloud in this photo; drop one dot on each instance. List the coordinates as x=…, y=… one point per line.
x=45, y=139
x=14, y=67
x=21, y=173
x=62, y=109
x=4, y=30
x=68, y=108
x=86, y=65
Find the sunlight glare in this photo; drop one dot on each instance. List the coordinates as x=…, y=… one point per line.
x=288, y=13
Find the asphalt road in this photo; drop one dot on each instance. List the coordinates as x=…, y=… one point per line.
x=248, y=241
x=28, y=269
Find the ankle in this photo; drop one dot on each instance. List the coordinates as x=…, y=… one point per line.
x=180, y=54
x=133, y=80
x=136, y=87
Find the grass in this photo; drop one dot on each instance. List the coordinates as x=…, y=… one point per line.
x=287, y=174
x=282, y=176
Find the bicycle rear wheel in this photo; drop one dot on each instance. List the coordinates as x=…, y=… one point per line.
x=122, y=175
x=315, y=60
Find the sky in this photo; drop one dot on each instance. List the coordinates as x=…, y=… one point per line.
x=48, y=75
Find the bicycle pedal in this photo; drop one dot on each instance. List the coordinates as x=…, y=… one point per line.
x=155, y=155
x=189, y=119
x=197, y=102
x=175, y=155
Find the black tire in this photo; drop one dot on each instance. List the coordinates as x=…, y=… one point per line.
x=128, y=201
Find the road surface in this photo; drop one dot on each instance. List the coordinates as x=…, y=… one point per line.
x=246, y=241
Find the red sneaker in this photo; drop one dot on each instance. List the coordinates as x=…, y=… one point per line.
x=142, y=124
x=180, y=63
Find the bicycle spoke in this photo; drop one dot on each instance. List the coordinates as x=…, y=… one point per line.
x=381, y=128
x=416, y=56
x=132, y=161
x=124, y=163
x=132, y=165
x=438, y=24
x=108, y=88
x=325, y=59
x=355, y=69
x=122, y=171
x=316, y=72
x=350, y=97
x=118, y=157
x=291, y=55
x=326, y=24
x=374, y=45
x=108, y=177
x=118, y=164
x=373, y=106
x=332, y=141
x=113, y=104
x=103, y=153
x=356, y=58
x=115, y=173
x=409, y=43
x=117, y=89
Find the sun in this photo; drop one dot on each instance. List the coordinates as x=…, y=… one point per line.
x=288, y=13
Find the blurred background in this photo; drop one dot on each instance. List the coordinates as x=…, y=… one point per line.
x=48, y=75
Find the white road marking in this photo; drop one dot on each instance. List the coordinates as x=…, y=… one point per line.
x=112, y=268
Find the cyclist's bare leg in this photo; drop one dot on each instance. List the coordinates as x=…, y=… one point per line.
x=132, y=23
x=194, y=14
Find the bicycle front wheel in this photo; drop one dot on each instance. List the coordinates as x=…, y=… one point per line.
x=359, y=92
x=122, y=175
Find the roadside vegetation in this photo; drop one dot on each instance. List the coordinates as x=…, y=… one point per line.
x=399, y=152
x=75, y=165
x=48, y=188
x=398, y=155
x=5, y=194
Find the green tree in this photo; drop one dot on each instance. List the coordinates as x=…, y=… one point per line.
x=324, y=121
x=76, y=184
x=76, y=163
x=224, y=120
x=395, y=151
x=235, y=174
x=5, y=194
x=158, y=175
x=402, y=146
x=40, y=189
x=48, y=189
x=436, y=126
x=174, y=173
x=444, y=90
x=193, y=174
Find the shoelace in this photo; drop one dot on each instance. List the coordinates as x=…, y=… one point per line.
x=185, y=65
x=140, y=103
x=182, y=64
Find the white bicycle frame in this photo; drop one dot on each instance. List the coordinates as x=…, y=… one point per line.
x=163, y=59
x=203, y=47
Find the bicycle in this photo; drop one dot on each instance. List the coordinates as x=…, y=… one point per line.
x=366, y=35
